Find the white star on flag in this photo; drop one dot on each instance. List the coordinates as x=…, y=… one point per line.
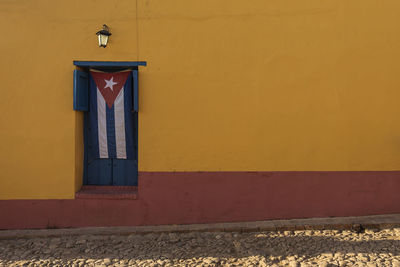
x=110, y=83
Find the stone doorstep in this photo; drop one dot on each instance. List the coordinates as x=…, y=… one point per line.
x=107, y=192
x=334, y=223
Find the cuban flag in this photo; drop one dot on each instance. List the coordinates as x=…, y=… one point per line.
x=110, y=116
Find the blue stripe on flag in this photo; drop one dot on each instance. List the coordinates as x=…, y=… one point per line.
x=111, y=141
x=128, y=118
x=93, y=151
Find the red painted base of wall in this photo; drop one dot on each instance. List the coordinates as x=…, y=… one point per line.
x=206, y=197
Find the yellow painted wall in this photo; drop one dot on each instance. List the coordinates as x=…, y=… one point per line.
x=230, y=86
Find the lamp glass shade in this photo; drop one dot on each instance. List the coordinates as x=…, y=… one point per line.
x=103, y=39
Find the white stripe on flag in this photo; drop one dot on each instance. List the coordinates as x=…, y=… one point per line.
x=119, y=113
x=102, y=125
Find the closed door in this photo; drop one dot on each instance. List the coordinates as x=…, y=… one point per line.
x=110, y=130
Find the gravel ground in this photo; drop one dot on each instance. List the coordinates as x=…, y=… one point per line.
x=288, y=248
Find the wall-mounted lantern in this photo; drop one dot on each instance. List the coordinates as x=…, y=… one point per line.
x=103, y=36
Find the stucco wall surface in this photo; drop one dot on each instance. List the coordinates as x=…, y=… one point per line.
x=230, y=86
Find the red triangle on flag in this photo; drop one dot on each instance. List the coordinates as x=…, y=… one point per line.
x=110, y=84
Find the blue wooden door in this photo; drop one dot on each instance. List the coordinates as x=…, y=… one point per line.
x=110, y=171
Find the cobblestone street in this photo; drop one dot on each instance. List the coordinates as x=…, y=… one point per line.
x=287, y=248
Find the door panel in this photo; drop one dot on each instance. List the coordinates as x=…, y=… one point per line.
x=124, y=172
x=100, y=172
